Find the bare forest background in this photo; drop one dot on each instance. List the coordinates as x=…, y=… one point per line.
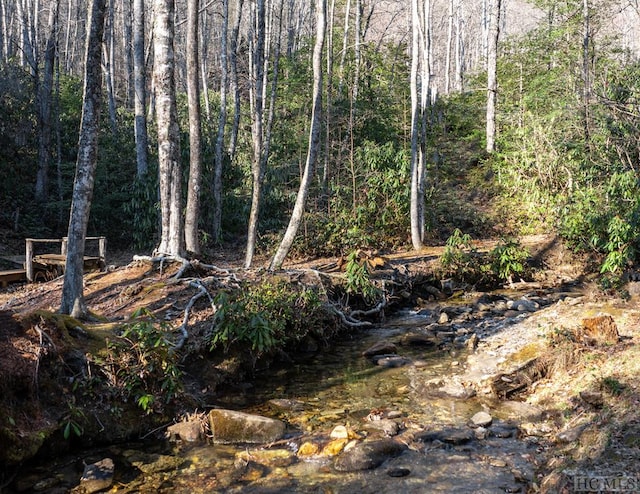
x=349, y=123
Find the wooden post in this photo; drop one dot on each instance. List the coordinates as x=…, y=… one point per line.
x=28, y=259
x=63, y=247
x=102, y=248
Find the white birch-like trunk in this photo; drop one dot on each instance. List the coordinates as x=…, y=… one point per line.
x=192, y=213
x=492, y=80
x=170, y=173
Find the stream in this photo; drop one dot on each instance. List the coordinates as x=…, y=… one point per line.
x=436, y=447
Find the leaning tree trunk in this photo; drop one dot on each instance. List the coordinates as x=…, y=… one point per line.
x=169, y=169
x=314, y=141
x=192, y=213
x=72, y=291
x=492, y=81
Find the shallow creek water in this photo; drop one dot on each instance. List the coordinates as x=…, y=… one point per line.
x=339, y=386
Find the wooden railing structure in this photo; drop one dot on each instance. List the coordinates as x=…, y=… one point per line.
x=46, y=261
x=35, y=264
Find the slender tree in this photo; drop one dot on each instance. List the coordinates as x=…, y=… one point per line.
x=140, y=94
x=108, y=66
x=235, y=86
x=314, y=141
x=416, y=119
x=492, y=80
x=169, y=169
x=44, y=99
x=257, y=126
x=73, y=302
x=192, y=213
x=216, y=230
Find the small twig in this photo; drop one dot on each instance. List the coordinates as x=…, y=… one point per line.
x=156, y=430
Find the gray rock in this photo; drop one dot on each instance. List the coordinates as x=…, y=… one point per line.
x=188, y=431
x=387, y=426
x=444, y=318
x=97, y=476
x=481, y=419
x=229, y=427
x=368, y=455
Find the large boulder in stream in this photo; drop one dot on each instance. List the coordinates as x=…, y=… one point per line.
x=230, y=427
x=368, y=455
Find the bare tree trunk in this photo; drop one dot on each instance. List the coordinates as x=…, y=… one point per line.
x=140, y=97
x=416, y=200
x=314, y=141
x=235, y=89
x=45, y=95
x=127, y=32
x=222, y=119
x=325, y=168
x=205, y=35
x=170, y=173
x=345, y=44
x=108, y=48
x=195, y=142
x=257, y=131
x=492, y=80
x=460, y=66
x=4, y=33
x=586, y=77
x=447, y=64
x=73, y=302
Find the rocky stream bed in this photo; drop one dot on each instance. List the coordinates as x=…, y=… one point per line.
x=519, y=390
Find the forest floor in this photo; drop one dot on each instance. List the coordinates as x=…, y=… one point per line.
x=607, y=431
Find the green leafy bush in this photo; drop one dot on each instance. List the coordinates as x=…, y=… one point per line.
x=457, y=260
x=508, y=259
x=358, y=278
x=141, y=364
x=264, y=316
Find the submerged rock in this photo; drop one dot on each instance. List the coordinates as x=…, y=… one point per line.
x=97, y=476
x=230, y=426
x=380, y=348
x=392, y=361
x=368, y=455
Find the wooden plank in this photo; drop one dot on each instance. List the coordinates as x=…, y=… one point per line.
x=11, y=275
